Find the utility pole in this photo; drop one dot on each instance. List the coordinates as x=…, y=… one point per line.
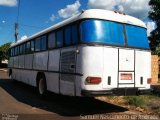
x=16, y=32
x=16, y=24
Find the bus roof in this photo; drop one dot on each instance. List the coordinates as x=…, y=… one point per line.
x=90, y=14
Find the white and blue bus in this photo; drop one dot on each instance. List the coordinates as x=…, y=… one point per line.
x=96, y=52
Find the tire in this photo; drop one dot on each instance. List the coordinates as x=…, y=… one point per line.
x=41, y=85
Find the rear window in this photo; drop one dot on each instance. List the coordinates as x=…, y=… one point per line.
x=136, y=36
x=100, y=31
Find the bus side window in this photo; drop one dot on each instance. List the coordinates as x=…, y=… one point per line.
x=32, y=46
x=20, y=49
x=59, y=38
x=43, y=43
x=67, y=36
x=28, y=46
x=74, y=34
x=51, y=40
x=23, y=49
x=11, y=52
x=38, y=44
x=17, y=50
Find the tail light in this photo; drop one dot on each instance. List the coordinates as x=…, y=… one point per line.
x=93, y=80
x=149, y=80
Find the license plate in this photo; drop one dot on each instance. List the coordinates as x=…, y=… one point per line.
x=126, y=76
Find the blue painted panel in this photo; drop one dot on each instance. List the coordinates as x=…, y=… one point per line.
x=136, y=36
x=102, y=32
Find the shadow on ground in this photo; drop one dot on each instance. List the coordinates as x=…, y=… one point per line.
x=62, y=105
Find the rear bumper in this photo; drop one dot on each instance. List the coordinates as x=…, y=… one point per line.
x=117, y=92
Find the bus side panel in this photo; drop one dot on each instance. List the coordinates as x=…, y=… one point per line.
x=90, y=64
x=25, y=76
x=16, y=61
x=40, y=61
x=28, y=61
x=52, y=80
x=21, y=61
x=54, y=57
x=11, y=62
x=142, y=68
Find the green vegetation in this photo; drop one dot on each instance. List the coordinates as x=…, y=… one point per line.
x=155, y=34
x=135, y=100
x=142, y=103
x=4, y=52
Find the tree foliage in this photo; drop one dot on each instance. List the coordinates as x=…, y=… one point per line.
x=154, y=15
x=4, y=51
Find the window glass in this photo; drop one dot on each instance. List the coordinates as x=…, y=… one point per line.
x=13, y=52
x=43, y=43
x=37, y=44
x=68, y=36
x=51, y=40
x=20, y=49
x=32, y=46
x=100, y=31
x=23, y=49
x=17, y=50
x=59, y=36
x=28, y=46
x=74, y=34
x=137, y=36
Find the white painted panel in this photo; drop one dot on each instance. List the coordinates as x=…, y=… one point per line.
x=126, y=60
x=21, y=61
x=54, y=57
x=11, y=62
x=16, y=61
x=52, y=80
x=143, y=68
x=40, y=60
x=66, y=88
x=110, y=67
x=90, y=63
x=32, y=77
x=28, y=61
x=25, y=76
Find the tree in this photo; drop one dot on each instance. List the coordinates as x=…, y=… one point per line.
x=4, y=51
x=154, y=15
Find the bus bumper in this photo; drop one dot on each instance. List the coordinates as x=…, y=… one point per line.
x=117, y=92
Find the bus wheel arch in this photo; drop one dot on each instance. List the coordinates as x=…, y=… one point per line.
x=41, y=84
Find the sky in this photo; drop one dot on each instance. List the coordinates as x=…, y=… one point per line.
x=36, y=15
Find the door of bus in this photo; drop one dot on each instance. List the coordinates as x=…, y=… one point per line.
x=67, y=71
x=126, y=71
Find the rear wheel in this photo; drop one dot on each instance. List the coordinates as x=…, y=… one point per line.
x=42, y=88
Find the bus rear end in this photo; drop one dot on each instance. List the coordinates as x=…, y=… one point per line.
x=114, y=59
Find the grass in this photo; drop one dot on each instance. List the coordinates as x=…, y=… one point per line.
x=135, y=100
x=144, y=103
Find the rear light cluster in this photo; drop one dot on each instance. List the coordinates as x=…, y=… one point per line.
x=149, y=80
x=93, y=80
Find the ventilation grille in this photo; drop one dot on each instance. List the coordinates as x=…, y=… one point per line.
x=68, y=65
